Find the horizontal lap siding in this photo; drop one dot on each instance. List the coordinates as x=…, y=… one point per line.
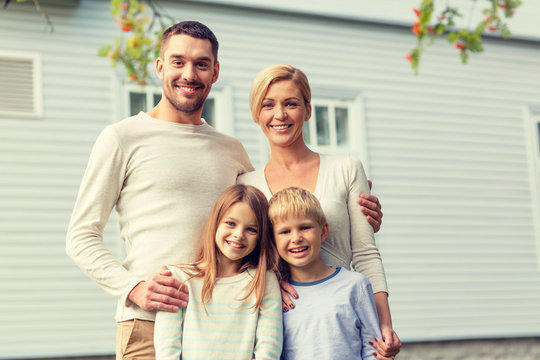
x=47, y=305
x=446, y=153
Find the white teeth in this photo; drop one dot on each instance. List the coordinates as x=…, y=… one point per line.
x=236, y=245
x=280, y=127
x=186, y=88
x=298, y=250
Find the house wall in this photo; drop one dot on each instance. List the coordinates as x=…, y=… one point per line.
x=446, y=151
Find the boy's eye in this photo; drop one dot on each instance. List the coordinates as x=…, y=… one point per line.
x=305, y=227
x=284, y=232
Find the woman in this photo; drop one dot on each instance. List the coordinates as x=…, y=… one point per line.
x=280, y=104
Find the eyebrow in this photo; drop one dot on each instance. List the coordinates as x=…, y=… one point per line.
x=201, y=58
x=289, y=98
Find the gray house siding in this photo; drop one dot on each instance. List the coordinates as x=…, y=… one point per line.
x=446, y=151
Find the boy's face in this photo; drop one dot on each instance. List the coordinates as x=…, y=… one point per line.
x=298, y=240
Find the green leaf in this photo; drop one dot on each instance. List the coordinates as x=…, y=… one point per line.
x=104, y=50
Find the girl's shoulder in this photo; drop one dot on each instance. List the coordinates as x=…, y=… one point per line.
x=183, y=272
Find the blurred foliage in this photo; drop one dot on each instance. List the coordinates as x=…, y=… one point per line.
x=140, y=39
x=432, y=24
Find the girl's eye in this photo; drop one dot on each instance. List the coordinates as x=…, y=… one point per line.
x=252, y=230
x=230, y=223
x=284, y=232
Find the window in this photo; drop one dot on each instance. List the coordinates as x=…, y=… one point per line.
x=20, y=84
x=336, y=126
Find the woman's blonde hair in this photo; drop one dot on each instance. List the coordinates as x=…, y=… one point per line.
x=271, y=75
x=263, y=258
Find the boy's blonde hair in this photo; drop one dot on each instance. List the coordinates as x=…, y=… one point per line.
x=294, y=201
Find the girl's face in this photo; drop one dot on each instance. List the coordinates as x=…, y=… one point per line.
x=283, y=113
x=236, y=236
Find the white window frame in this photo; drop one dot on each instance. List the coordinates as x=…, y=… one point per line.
x=37, y=88
x=222, y=96
x=357, y=144
x=532, y=134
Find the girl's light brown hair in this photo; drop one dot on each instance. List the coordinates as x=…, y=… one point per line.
x=271, y=75
x=263, y=258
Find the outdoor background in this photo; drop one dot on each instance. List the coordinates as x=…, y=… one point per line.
x=453, y=153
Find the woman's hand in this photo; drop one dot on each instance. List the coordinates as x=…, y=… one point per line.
x=389, y=346
x=371, y=208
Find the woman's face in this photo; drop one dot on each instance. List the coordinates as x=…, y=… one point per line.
x=283, y=113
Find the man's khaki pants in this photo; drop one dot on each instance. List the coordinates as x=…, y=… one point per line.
x=135, y=340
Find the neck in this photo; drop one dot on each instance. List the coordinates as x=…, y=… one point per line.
x=315, y=271
x=285, y=157
x=166, y=112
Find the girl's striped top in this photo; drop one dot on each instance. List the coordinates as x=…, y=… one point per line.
x=232, y=329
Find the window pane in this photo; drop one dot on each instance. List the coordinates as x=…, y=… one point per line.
x=306, y=134
x=323, y=130
x=137, y=102
x=157, y=97
x=342, y=126
x=208, y=113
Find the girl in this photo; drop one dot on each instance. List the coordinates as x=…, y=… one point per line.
x=234, y=308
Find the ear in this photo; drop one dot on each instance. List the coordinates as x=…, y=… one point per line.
x=159, y=68
x=324, y=232
x=308, y=113
x=216, y=72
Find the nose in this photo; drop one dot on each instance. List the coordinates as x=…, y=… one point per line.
x=188, y=72
x=238, y=233
x=297, y=237
x=280, y=113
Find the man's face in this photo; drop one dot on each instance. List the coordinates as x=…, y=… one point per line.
x=188, y=70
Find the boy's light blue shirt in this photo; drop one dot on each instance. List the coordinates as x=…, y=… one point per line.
x=334, y=318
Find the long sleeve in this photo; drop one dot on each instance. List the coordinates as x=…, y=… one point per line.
x=369, y=322
x=269, y=333
x=366, y=258
x=168, y=335
x=98, y=194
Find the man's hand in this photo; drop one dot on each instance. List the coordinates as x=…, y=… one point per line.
x=160, y=292
x=287, y=291
x=370, y=206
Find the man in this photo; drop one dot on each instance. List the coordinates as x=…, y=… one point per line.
x=162, y=170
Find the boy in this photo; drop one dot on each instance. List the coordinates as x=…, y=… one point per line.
x=335, y=315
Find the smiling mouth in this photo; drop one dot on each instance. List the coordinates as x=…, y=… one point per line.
x=189, y=88
x=298, y=250
x=235, y=244
x=280, y=127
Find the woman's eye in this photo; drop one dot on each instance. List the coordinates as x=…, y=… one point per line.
x=267, y=105
x=291, y=104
